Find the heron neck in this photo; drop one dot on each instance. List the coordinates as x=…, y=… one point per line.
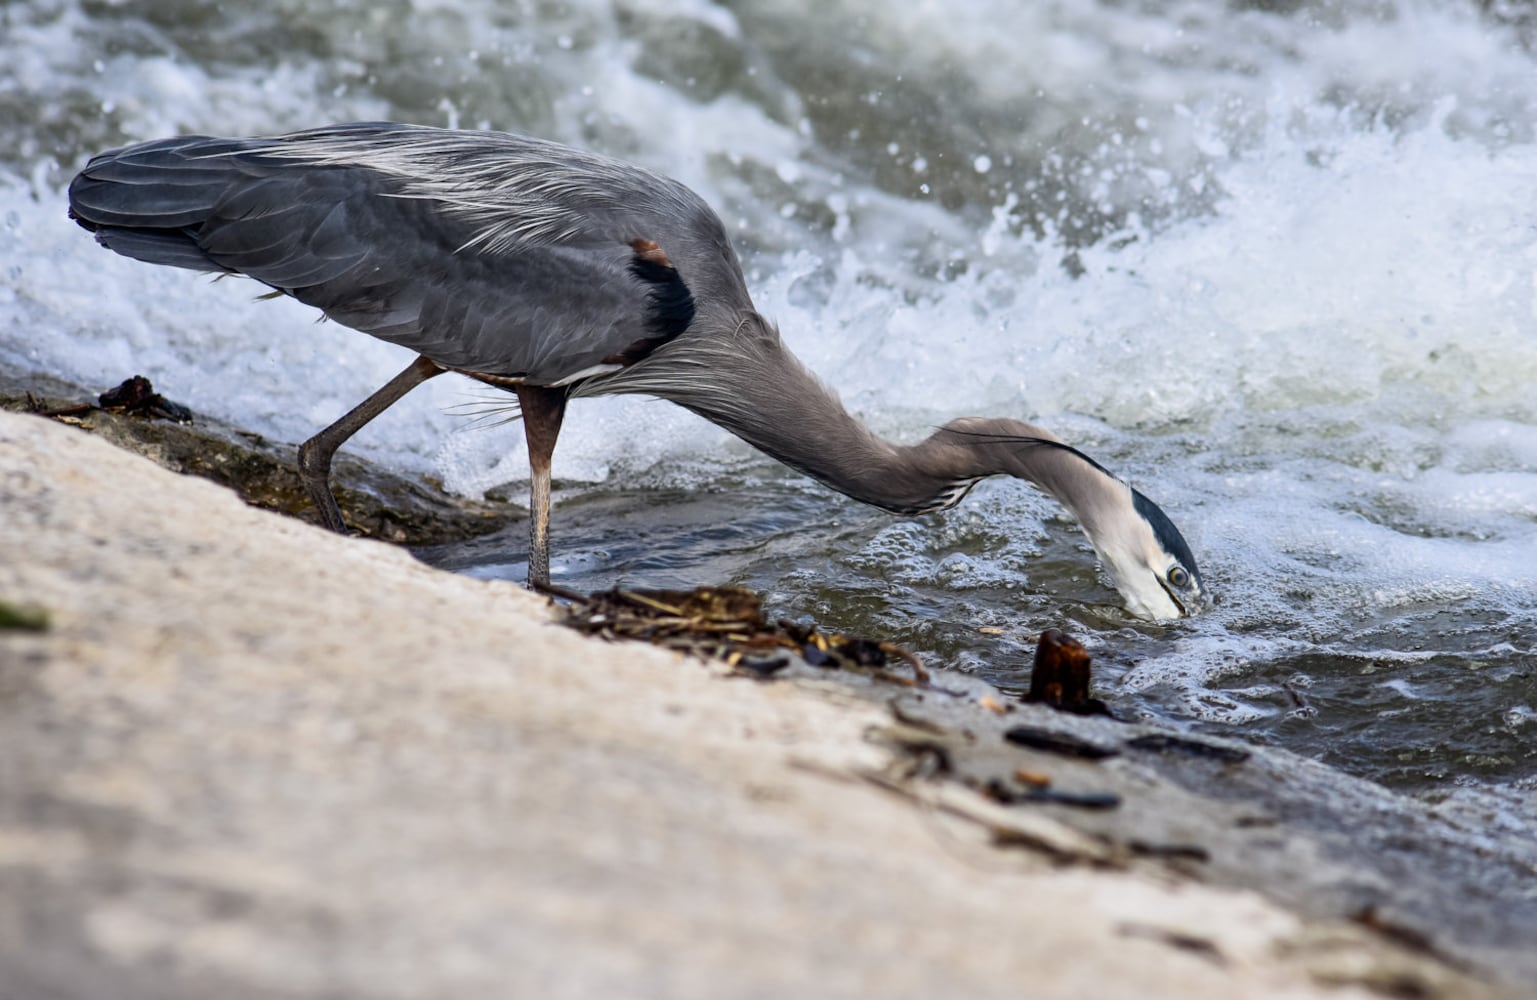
x=746, y=381
x=822, y=439
x=796, y=419
x=1099, y=500
x=736, y=373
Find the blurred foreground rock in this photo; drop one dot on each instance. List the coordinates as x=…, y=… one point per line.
x=243, y=758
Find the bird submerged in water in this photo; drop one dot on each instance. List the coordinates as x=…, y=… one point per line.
x=556, y=273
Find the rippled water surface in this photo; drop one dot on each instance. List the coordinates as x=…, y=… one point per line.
x=1274, y=263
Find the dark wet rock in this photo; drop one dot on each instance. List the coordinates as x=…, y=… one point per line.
x=1167, y=743
x=1008, y=793
x=1061, y=744
x=1061, y=676
x=136, y=397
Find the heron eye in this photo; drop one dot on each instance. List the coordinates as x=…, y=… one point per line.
x=1179, y=577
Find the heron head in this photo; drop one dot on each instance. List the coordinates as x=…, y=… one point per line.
x=1143, y=550
x=1153, y=567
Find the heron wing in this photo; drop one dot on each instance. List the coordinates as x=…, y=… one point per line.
x=397, y=267
x=517, y=273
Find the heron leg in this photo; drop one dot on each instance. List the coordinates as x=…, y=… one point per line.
x=543, y=410
x=316, y=453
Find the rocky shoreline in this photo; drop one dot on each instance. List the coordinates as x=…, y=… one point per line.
x=375, y=502
x=242, y=757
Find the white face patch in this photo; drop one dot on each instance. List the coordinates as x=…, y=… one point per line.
x=1145, y=597
x=1141, y=570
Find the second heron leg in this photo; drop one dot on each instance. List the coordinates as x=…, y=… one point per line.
x=543, y=410
x=316, y=453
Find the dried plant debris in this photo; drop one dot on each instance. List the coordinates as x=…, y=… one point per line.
x=133, y=397
x=727, y=623
x=398, y=508
x=833, y=649
x=1195, y=944
x=1008, y=793
x=1169, y=852
x=1372, y=917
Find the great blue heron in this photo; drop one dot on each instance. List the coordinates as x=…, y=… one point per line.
x=556, y=273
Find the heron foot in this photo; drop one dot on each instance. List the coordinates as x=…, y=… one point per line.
x=315, y=473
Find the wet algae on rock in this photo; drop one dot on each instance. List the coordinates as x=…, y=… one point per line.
x=375, y=502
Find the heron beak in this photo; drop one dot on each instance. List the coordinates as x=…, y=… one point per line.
x=1190, y=604
x=1185, y=609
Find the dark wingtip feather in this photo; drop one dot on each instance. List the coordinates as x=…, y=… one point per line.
x=81, y=221
x=146, y=201
x=165, y=184
x=169, y=247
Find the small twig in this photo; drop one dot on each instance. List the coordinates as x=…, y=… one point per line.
x=920, y=675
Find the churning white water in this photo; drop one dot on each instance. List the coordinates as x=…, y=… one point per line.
x=1274, y=263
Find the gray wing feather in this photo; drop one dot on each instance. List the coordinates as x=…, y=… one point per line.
x=483, y=251
x=157, y=248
